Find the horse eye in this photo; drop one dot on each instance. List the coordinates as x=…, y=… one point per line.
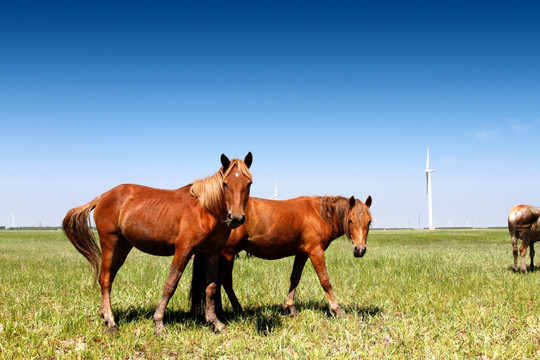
x=225, y=185
x=350, y=221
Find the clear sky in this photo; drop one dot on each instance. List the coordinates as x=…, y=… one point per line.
x=331, y=97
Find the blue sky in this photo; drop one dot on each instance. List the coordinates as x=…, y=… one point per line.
x=331, y=97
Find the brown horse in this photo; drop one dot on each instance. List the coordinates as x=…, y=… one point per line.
x=303, y=227
x=524, y=224
x=194, y=219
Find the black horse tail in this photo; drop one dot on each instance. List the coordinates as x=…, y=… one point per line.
x=197, y=294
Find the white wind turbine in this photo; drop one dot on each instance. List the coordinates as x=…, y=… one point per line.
x=428, y=172
x=275, y=196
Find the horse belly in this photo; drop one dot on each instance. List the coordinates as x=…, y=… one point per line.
x=150, y=239
x=271, y=249
x=154, y=247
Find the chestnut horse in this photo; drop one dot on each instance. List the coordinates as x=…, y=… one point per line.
x=524, y=224
x=303, y=227
x=194, y=219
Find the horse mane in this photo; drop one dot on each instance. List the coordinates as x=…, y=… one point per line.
x=209, y=191
x=340, y=210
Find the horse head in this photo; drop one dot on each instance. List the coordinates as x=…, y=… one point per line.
x=358, y=223
x=236, y=185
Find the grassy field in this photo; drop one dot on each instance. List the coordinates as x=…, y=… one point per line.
x=416, y=294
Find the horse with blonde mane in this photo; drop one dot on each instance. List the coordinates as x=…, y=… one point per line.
x=194, y=219
x=524, y=224
x=302, y=227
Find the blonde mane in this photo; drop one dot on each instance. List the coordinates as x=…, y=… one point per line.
x=209, y=191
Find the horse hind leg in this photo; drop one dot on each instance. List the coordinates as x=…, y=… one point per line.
x=299, y=263
x=531, y=254
x=515, y=251
x=523, y=252
x=114, y=250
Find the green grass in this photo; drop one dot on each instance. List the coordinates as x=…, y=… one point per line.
x=416, y=294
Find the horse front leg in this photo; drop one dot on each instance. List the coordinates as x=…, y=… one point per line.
x=211, y=266
x=298, y=267
x=317, y=259
x=180, y=260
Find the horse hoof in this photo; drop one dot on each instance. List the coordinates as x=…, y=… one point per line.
x=238, y=310
x=339, y=313
x=112, y=329
x=219, y=327
x=159, y=330
x=292, y=311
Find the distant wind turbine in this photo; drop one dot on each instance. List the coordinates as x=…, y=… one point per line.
x=428, y=172
x=275, y=196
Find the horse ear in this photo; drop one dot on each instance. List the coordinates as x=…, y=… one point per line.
x=368, y=201
x=352, y=201
x=225, y=161
x=248, y=160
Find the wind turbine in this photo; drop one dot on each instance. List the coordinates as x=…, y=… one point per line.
x=428, y=172
x=275, y=196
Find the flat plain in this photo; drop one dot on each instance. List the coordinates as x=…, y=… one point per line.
x=417, y=294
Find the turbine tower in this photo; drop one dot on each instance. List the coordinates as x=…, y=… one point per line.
x=428, y=172
x=275, y=196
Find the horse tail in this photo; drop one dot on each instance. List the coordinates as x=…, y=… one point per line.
x=197, y=294
x=79, y=231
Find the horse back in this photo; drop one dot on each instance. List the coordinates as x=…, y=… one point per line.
x=150, y=219
x=524, y=219
x=276, y=229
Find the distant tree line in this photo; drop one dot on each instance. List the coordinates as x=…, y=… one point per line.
x=32, y=228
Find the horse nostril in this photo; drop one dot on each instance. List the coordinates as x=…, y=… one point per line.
x=235, y=221
x=359, y=251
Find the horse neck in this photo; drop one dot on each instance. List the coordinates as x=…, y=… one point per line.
x=334, y=211
x=210, y=194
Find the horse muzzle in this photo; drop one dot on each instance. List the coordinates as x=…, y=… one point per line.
x=359, y=251
x=235, y=221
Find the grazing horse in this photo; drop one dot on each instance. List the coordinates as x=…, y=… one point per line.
x=524, y=224
x=194, y=219
x=303, y=227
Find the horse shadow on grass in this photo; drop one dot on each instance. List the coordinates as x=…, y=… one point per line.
x=266, y=318
x=529, y=269
x=134, y=314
